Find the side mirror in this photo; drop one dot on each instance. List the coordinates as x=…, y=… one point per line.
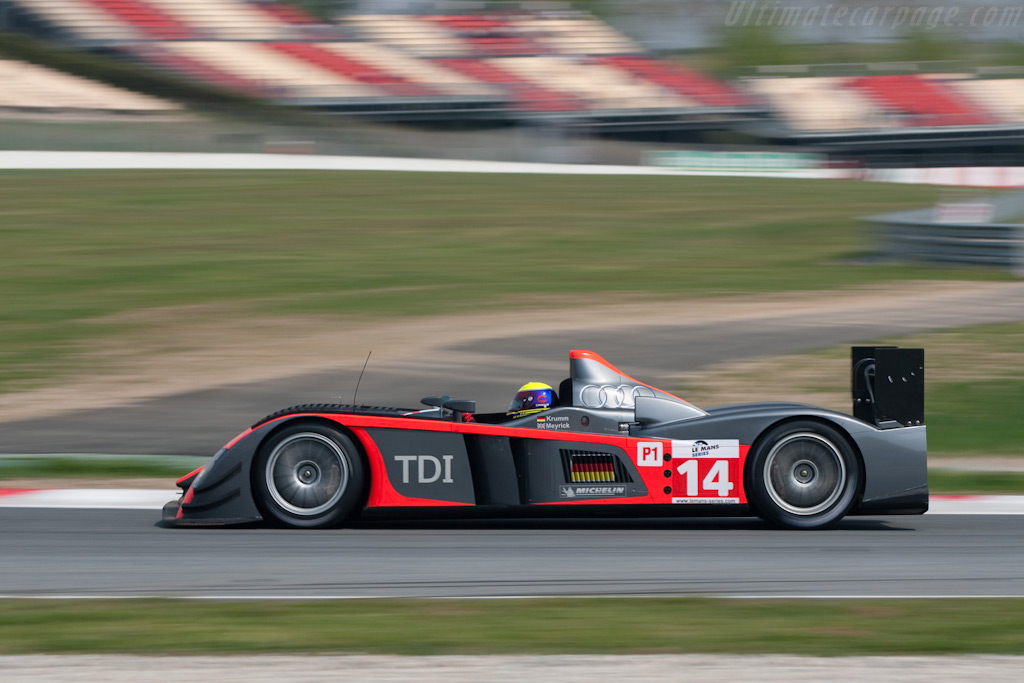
x=435, y=401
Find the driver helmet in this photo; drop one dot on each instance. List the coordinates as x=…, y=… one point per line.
x=532, y=397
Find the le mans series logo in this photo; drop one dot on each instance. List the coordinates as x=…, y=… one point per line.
x=701, y=447
x=706, y=448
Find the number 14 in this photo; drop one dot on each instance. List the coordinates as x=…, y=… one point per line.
x=717, y=478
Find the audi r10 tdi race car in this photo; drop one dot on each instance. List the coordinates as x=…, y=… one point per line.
x=609, y=443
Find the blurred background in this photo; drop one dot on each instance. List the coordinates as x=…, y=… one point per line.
x=598, y=81
x=769, y=131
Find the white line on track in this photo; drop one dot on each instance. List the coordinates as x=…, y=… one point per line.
x=60, y=160
x=111, y=499
x=976, y=505
x=585, y=668
x=154, y=499
x=37, y=160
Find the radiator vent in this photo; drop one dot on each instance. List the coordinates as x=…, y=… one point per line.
x=588, y=466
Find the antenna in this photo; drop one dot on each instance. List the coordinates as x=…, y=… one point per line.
x=356, y=392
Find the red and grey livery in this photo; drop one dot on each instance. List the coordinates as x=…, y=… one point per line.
x=612, y=442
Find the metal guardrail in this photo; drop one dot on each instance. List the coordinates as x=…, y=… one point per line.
x=977, y=233
x=999, y=245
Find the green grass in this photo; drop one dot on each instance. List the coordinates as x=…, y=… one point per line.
x=534, y=626
x=978, y=418
x=79, y=248
x=958, y=482
x=974, y=389
x=97, y=466
x=973, y=397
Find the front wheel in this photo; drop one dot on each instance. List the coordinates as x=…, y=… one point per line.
x=803, y=475
x=308, y=475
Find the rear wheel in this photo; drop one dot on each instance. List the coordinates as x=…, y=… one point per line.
x=309, y=475
x=804, y=475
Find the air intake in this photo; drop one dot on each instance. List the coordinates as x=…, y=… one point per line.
x=587, y=466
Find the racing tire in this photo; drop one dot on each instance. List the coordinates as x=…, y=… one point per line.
x=803, y=475
x=308, y=475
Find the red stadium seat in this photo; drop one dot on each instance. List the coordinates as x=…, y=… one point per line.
x=148, y=19
x=526, y=95
x=924, y=102
x=288, y=14
x=486, y=36
x=356, y=70
x=154, y=54
x=679, y=79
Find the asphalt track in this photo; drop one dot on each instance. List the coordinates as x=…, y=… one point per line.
x=122, y=553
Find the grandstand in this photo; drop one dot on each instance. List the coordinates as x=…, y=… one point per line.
x=79, y=21
x=32, y=89
x=920, y=100
x=871, y=113
x=504, y=63
x=1001, y=98
x=819, y=104
x=281, y=75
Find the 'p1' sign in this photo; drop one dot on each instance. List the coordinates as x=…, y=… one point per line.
x=649, y=453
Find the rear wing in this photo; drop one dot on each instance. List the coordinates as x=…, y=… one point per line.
x=888, y=385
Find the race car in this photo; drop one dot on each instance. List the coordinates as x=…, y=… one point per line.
x=608, y=443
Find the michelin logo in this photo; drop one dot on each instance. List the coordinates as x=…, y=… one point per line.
x=574, y=491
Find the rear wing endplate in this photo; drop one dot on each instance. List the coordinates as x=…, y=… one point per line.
x=888, y=385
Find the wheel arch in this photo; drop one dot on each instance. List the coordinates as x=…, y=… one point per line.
x=292, y=420
x=818, y=419
x=319, y=421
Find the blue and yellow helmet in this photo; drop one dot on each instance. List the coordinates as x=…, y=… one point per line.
x=532, y=397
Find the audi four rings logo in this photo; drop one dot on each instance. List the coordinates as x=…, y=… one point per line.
x=611, y=396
